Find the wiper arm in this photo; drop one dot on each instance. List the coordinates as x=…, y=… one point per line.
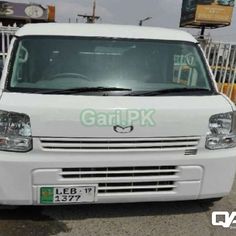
x=82, y=90
x=171, y=91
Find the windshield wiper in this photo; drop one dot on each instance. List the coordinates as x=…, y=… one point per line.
x=81, y=90
x=171, y=91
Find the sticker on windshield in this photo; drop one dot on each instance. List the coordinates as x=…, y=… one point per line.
x=184, y=60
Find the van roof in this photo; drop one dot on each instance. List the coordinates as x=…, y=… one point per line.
x=104, y=30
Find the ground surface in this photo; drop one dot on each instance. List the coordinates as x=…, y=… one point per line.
x=176, y=218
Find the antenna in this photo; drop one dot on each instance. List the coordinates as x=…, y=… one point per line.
x=143, y=20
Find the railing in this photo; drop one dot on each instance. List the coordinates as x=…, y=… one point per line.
x=6, y=36
x=222, y=59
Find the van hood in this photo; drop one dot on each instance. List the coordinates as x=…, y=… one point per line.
x=63, y=115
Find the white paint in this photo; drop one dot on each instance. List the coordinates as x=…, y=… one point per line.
x=205, y=175
x=103, y=30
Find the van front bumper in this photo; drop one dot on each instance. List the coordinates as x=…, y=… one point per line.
x=209, y=174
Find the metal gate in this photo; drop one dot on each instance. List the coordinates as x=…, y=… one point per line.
x=222, y=59
x=6, y=36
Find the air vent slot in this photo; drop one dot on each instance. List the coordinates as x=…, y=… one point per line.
x=191, y=152
x=118, y=172
x=132, y=144
x=135, y=187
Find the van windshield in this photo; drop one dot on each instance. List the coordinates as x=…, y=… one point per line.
x=84, y=64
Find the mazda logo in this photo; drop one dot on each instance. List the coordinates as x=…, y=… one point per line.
x=123, y=130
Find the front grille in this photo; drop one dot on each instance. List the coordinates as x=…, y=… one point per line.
x=125, y=179
x=128, y=144
x=134, y=187
x=117, y=172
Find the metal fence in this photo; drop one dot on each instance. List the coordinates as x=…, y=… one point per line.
x=222, y=59
x=6, y=36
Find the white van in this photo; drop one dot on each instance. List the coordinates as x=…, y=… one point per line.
x=107, y=114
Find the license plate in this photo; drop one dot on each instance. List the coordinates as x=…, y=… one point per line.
x=62, y=195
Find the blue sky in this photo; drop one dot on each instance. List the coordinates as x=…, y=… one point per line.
x=165, y=13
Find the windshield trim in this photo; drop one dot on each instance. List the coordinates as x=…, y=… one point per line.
x=8, y=88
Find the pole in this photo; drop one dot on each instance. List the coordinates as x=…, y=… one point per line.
x=94, y=11
x=91, y=18
x=202, y=32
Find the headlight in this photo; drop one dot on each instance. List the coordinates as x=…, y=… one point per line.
x=15, y=132
x=222, y=131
